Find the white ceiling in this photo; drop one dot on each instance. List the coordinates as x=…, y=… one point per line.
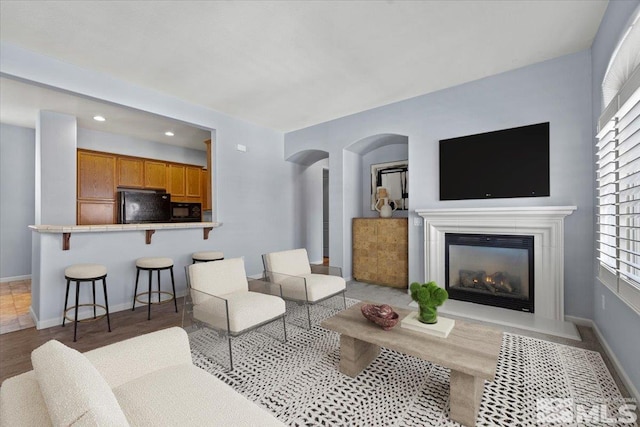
x=290, y=64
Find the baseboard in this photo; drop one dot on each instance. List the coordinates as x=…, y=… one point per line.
x=15, y=278
x=633, y=391
x=317, y=262
x=57, y=321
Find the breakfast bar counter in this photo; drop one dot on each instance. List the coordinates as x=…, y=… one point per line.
x=117, y=247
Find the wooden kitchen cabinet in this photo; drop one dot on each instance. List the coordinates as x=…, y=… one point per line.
x=177, y=183
x=380, y=251
x=155, y=174
x=92, y=212
x=100, y=175
x=130, y=172
x=96, y=175
x=193, y=176
x=96, y=185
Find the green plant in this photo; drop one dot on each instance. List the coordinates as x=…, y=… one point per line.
x=429, y=297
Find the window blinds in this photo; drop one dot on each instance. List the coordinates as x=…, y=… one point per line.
x=618, y=186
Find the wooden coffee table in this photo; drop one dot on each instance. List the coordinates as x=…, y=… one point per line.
x=470, y=351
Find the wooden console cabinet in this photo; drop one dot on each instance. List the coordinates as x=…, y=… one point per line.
x=380, y=251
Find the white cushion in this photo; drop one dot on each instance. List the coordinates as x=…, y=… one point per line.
x=21, y=403
x=186, y=395
x=143, y=354
x=319, y=286
x=220, y=277
x=85, y=271
x=207, y=255
x=246, y=309
x=294, y=262
x=154, y=262
x=73, y=390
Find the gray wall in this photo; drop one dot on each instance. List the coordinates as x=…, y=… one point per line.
x=17, y=201
x=558, y=91
x=384, y=154
x=618, y=323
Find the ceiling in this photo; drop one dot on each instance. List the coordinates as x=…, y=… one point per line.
x=291, y=64
x=21, y=102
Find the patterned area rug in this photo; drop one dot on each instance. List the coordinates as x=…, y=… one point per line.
x=300, y=383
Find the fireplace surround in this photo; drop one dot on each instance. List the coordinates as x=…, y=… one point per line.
x=544, y=223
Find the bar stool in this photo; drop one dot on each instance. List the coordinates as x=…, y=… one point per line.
x=207, y=256
x=85, y=273
x=152, y=264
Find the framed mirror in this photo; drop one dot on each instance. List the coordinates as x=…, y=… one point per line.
x=394, y=176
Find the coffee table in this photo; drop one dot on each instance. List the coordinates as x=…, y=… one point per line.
x=470, y=351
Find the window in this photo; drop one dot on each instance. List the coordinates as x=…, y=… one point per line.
x=618, y=172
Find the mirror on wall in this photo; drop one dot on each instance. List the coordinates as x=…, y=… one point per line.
x=394, y=177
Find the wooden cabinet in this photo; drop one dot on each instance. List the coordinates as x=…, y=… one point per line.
x=96, y=183
x=99, y=175
x=193, y=177
x=176, y=181
x=91, y=212
x=130, y=172
x=96, y=175
x=155, y=174
x=380, y=251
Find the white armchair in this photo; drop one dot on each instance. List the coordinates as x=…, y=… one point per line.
x=302, y=282
x=221, y=298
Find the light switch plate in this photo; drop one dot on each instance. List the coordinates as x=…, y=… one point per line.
x=241, y=147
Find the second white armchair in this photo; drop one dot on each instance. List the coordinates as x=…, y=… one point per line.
x=302, y=282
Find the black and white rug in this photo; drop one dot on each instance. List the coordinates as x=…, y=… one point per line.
x=300, y=383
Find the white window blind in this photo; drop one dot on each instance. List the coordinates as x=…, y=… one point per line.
x=618, y=209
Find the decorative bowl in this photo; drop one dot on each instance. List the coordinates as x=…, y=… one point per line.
x=382, y=315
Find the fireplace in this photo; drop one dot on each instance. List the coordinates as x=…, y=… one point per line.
x=489, y=269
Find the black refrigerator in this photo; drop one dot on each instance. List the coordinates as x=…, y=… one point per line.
x=137, y=207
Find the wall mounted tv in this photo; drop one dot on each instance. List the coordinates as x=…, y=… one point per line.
x=501, y=164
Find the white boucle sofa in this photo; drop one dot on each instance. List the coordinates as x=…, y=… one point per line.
x=149, y=380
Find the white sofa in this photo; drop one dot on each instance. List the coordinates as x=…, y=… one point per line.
x=149, y=380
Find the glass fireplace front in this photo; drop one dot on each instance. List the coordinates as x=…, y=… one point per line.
x=490, y=269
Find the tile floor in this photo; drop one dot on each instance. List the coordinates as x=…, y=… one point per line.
x=15, y=300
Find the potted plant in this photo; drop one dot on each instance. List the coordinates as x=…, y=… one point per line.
x=429, y=297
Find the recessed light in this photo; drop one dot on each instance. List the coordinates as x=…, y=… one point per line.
x=99, y=118
x=168, y=133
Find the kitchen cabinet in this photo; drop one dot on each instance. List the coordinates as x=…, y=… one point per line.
x=193, y=176
x=99, y=175
x=96, y=185
x=130, y=172
x=96, y=175
x=155, y=174
x=176, y=181
x=380, y=251
x=90, y=212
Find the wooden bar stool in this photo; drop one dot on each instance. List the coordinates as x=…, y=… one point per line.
x=85, y=273
x=207, y=256
x=152, y=264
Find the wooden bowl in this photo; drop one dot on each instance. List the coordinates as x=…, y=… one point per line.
x=381, y=315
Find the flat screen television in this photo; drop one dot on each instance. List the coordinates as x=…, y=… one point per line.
x=501, y=164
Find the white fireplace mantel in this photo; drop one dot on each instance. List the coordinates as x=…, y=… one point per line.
x=544, y=223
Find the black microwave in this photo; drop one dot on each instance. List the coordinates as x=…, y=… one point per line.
x=186, y=212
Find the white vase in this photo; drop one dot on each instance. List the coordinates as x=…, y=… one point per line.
x=384, y=208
